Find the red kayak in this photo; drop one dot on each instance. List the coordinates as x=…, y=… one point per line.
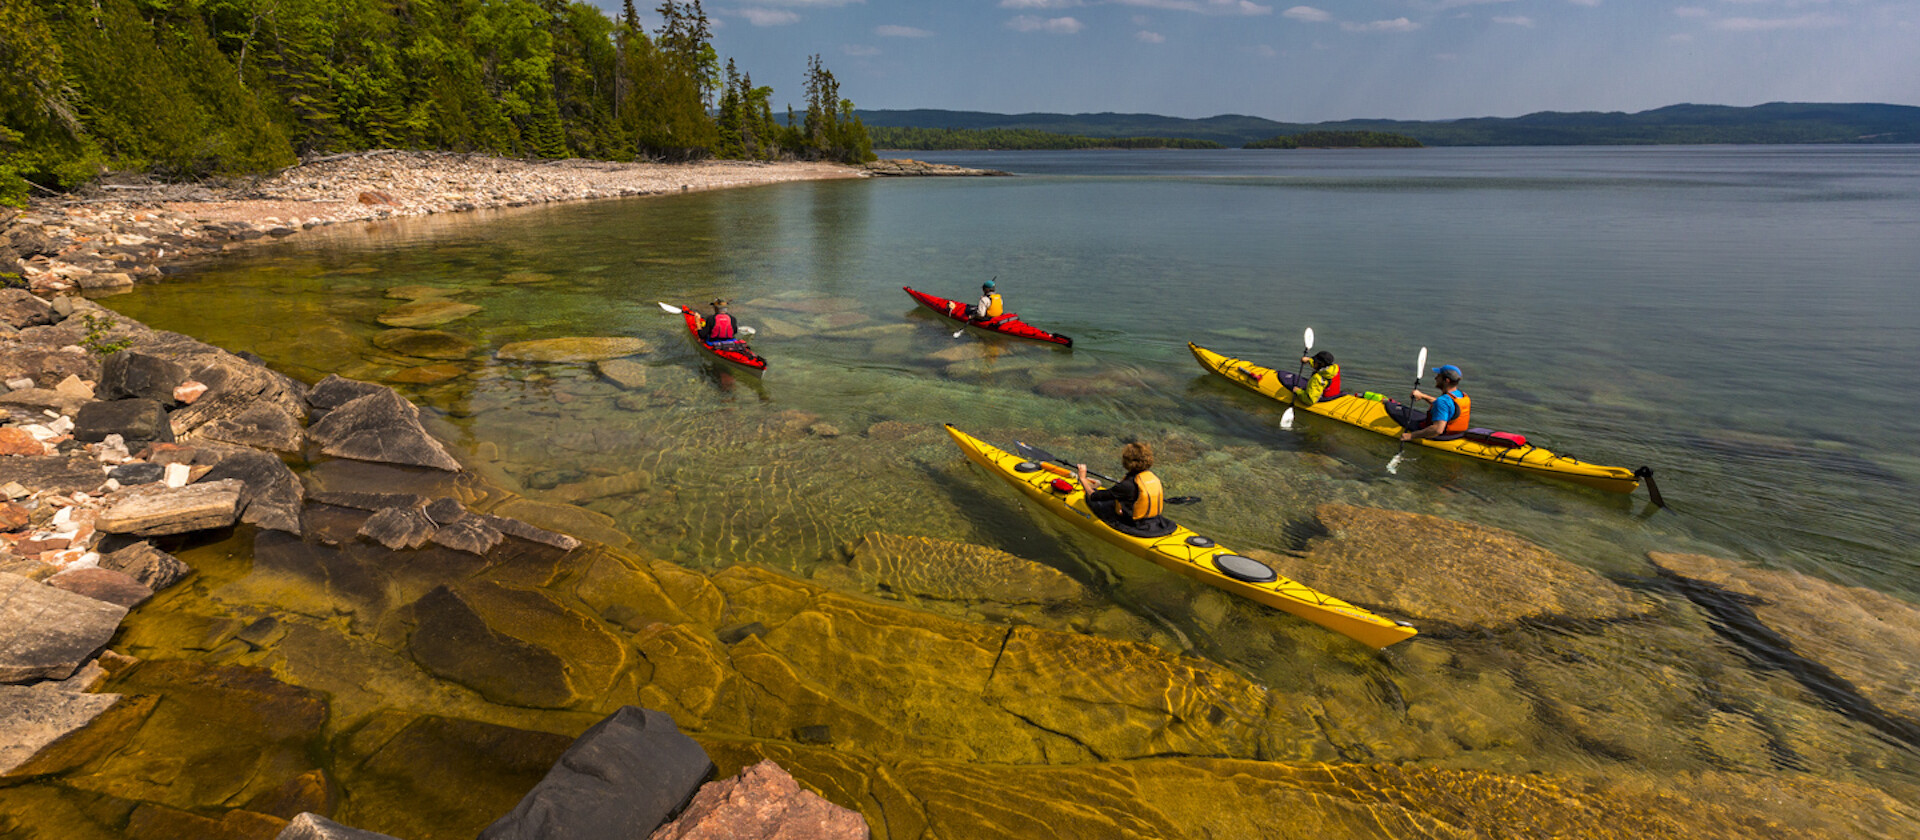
x=736, y=352
x=1008, y=324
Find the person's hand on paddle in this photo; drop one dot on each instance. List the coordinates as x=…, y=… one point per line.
x=1086, y=484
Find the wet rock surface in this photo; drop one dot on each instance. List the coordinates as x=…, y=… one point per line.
x=622, y=777
x=580, y=349
x=1437, y=571
x=383, y=427
x=762, y=802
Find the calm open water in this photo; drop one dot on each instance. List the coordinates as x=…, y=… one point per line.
x=1745, y=320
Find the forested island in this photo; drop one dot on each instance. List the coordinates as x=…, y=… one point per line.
x=1338, y=140
x=1777, y=122
x=1017, y=139
x=239, y=87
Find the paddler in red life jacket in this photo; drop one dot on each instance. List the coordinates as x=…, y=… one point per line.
x=1452, y=410
x=1323, y=385
x=990, y=305
x=719, y=328
x=1133, y=505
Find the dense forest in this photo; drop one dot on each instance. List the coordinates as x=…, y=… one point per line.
x=928, y=139
x=1776, y=122
x=1337, y=140
x=190, y=88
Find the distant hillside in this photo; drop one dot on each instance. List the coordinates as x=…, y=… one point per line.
x=1777, y=122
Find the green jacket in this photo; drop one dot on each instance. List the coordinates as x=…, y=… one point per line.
x=1316, y=386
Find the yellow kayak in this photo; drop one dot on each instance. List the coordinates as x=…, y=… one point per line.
x=1373, y=416
x=1186, y=552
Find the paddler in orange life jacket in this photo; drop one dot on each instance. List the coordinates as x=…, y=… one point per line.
x=990, y=305
x=1323, y=385
x=1133, y=505
x=719, y=328
x=1452, y=410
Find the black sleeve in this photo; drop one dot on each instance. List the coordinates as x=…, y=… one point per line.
x=1126, y=493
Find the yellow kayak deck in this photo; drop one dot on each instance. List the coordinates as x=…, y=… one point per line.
x=1372, y=416
x=1189, y=553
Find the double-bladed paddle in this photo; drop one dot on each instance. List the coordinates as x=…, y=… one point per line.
x=746, y=331
x=1419, y=371
x=1038, y=454
x=1286, y=417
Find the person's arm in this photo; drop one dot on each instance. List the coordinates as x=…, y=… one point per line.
x=1431, y=430
x=1437, y=418
x=1422, y=395
x=1086, y=483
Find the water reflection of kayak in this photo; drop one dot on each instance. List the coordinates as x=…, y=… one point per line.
x=1008, y=324
x=1186, y=552
x=736, y=352
x=1390, y=418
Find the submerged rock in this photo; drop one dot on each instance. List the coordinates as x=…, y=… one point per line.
x=622, y=778
x=954, y=571
x=1867, y=642
x=424, y=344
x=427, y=313
x=1436, y=570
x=573, y=349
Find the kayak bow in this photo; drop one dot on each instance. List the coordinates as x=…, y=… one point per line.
x=1375, y=416
x=1186, y=552
x=1008, y=324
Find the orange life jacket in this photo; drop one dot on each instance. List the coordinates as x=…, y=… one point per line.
x=1152, y=498
x=993, y=306
x=1464, y=421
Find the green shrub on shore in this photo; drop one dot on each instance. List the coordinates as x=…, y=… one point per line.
x=192, y=88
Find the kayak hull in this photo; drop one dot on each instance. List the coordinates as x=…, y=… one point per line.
x=737, y=354
x=955, y=311
x=1372, y=415
x=1188, y=553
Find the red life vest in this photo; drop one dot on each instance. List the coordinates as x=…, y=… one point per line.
x=722, y=329
x=1333, y=386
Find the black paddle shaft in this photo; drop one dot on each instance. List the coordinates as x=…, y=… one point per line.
x=1039, y=454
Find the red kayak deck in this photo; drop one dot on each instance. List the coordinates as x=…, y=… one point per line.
x=737, y=352
x=1008, y=324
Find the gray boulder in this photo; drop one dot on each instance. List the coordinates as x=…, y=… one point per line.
x=130, y=373
x=20, y=308
x=383, y=427
x=311, y=826
x=622, y=778
x=273, y=495
x=135, y=420
x=60, y=473
x=150, y=566
x=48, y=633
x=398, y=527
x=45, y=365
x=335, y=391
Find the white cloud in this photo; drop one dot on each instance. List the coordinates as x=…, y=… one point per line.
x=1145, y=37
x=891, y=31
x=860, y=50
x=1039, y=4
x=1690, y=12
x=1444, y=5
x=1051, y=26
x=768, y=17
x=1208, y=7
x=817, y=4
x=1396, y=25
x=1514, y=20
x=1747, y=24
x=1308, y=14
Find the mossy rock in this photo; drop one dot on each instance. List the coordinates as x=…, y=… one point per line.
x=431, y=312
x=578, y=349
x=423, y=344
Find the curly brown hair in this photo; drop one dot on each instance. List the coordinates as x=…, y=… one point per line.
x=1136, y=457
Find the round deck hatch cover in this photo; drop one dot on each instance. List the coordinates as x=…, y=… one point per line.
x=1244, y=568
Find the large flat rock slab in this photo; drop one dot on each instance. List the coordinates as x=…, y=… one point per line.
x=34, y=716
x=1869, y=639
x=621, y=778
x=48, y=633
x=1434, y=570
x=956, y=571
x=573, y=349
x=155, y=509
x=427, y=313
x=59, y=473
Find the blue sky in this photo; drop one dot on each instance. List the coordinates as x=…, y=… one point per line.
x=1404, y=59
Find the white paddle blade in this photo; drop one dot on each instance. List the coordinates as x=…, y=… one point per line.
x=1286, y=418
x=959, y=332
x=670, y=308
x=747, y=331
x=1393, y=466
x=1420, y=366
x=1309, y=338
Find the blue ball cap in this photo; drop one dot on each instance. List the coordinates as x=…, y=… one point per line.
x=987, y=286
x=1449, y=371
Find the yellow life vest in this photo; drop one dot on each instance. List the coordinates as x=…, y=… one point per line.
x=993, y=306
x=1152, y=499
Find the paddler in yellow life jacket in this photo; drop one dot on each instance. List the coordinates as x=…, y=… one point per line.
x=1452, y=411
x=1133, y=505
x=1324, y=384
x=990, y=305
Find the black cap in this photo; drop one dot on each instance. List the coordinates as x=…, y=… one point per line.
x=1322, y=359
